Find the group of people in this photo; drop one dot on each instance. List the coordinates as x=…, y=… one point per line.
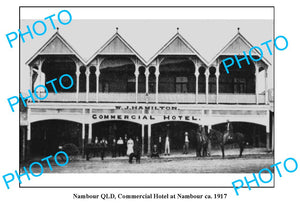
x=160, y=149
x=126, y=146
x=118, y=147
x=102, y=145
x=202, y=144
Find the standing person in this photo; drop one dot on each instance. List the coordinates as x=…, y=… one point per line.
x=96, y=147
x=154, y=152
x=167, y=145
x=160, y=146
x=205, y=142
x=186, y=143
x=130, y=145
x=208, y=146
x=120, y=144
x=198, y=141
x=136, y=142
x=114, y=148
x=103, y=145
x=125, y=145
x=136, y=151
x=137, y=148
x=89, y=149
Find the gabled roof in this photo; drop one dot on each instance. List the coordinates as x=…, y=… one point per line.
x=56, y=45
x=236, y=46
x=177, y=45
x=116, y=45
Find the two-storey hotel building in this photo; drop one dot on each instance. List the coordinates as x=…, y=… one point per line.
x=117, y=93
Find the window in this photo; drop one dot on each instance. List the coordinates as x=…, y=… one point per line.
x=181, y=84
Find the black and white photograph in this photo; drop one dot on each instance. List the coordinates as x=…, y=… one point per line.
x=153, y=97
x=162, y=105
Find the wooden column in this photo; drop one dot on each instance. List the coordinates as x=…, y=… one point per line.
x=217, y=83
x=266, y=86
x=268, y=144
x=90, y=133
x=27, y=146
x=156, y=82
x=30, y=77
x=149, y=139
x=136, y=73
x=196, y=63
x=97, y=82
x=206, y=84
x=268, y=139
x=143, y=139
x=256, y=83
x=197, y=80
x=158, y=61
x=98, y=73
x=77, y=81
x=83, y=141
x=147, y=73
x=40, y=77
x=28, y=131
x=87, y=74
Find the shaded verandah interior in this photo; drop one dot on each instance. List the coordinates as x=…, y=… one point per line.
x=116, y=70
x=47, y=136
x=177, y=76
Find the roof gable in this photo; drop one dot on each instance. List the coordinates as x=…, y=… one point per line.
x=56, y=46
x=177, y=46
x=116, y=46
x=236, y=46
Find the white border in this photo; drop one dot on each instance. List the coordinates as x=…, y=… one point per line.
x=114, y=179
x=153, y=13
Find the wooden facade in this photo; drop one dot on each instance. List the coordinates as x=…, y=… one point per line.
x=117, y=78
